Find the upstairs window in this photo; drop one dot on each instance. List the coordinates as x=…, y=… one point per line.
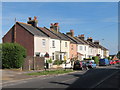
x=85, y=48
x=53, y=44
x=72, y=47
x=65, y=44
x=81, y=48
x=43, y=42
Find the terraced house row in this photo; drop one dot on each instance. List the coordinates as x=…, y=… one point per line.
x=41, y=40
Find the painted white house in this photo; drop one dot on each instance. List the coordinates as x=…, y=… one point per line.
x=41, y=46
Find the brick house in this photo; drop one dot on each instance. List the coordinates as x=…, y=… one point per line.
x=35, y=41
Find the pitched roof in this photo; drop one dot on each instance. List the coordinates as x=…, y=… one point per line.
x=72, y=39
x=96, y=45
x=53, y=36
x=80, y=40
x=32, y=29
x=59, y=34
x=91, y=44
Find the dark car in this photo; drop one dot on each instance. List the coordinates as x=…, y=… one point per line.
x=79, y=65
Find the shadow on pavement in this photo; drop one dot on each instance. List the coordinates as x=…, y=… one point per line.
x=89, y=79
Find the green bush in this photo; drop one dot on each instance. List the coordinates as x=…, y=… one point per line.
x=58, y=62
x=0, y=56
x=13, y=55
x=118, y=54
x=96, y=59
x=49, y=60
x=108, y=58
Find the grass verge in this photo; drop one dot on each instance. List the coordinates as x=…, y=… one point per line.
x=52, y=72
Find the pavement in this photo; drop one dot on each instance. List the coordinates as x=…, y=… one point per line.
x=107, y=77
x=15, y=75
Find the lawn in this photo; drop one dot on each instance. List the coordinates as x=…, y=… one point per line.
x=51, y=72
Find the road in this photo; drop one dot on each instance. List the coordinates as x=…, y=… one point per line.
x=102, y=77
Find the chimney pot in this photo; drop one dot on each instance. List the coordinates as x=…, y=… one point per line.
x=56, y=24
x=81, y=36
x=71, y=30
x=90, y=39
x=51, y=24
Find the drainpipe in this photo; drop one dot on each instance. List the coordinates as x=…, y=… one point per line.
x=60, y=49
x=15, y=32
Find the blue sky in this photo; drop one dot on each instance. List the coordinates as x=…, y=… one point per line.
x=94, y=19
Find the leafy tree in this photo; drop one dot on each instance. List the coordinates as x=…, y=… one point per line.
x=109, y=58
x=118, y=54
x=0, y=56
x=13, y=55
x=96, y=59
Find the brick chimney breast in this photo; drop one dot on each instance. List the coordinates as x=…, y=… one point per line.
x=72, y=33
x=54, y=27
x=56, y=24
x=81, y=36
x=90, y=39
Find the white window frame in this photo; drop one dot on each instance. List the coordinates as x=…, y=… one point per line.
x=43, y=42
x=53, y=44
x=81, y=48
x=65, y=44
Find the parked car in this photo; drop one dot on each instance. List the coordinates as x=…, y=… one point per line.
x=91, y=64
x=114, y=62
x=110, y=62
x=117, y=61
x=103, y=62
x=79, y=65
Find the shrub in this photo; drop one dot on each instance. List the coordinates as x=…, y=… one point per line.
x=13, y=55
x=96, y=59
x=108, y=58
x=0, y=56
x=49, y=60
x=58, y=62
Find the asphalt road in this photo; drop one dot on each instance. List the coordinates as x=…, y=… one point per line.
x=103, y=77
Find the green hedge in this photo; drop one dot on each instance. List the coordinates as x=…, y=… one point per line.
x=13, y=55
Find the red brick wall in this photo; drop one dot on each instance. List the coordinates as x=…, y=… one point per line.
x=8, y=36
x=23, y=37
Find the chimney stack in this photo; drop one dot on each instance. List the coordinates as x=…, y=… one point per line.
x=54, y=27
x=90, y=39
x=96, y=42
x=81, y=36
x=72, y=33
x=33, y=22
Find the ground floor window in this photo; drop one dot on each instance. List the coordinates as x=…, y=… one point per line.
x=53, y=56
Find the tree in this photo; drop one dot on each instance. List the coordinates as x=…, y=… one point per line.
x=118, y=54
x=96, y=59
x=13, y=55
x=0, y=56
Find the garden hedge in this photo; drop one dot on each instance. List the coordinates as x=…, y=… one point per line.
x=13, y=55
